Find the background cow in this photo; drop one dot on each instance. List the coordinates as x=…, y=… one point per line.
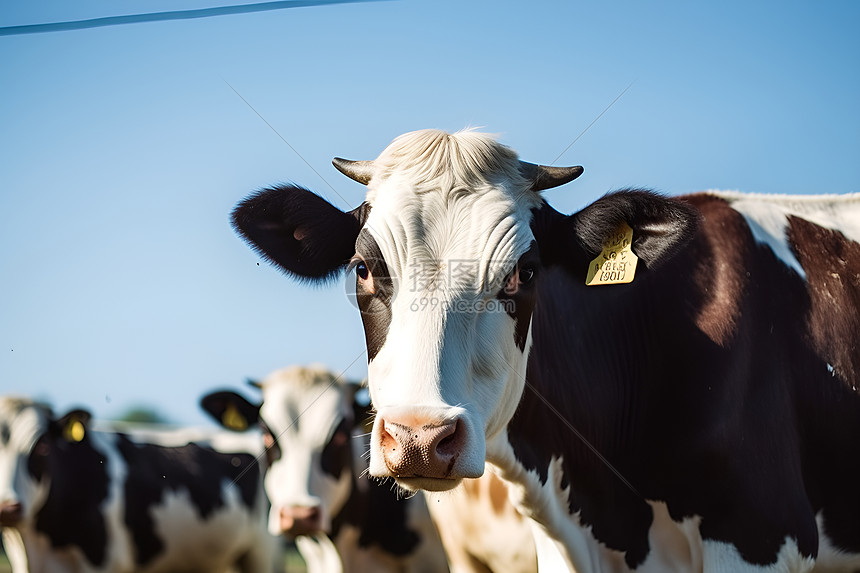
x=703, y=416
x=312, y=427
x=77, y=500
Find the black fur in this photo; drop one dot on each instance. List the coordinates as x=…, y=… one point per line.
x=154, y=470
x=298, y=231
x=77, y=472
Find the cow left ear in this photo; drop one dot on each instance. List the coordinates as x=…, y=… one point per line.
x=299, y=232
x=661, y=225
x=231, y=410
x=73, y=425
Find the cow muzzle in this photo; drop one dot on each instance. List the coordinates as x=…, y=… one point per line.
x=11, y=514
x=301, y=520
x=425, y=454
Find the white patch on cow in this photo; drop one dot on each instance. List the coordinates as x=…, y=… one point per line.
x=302, y=407
x=477, y=521
x=177, y=515
x=831, y=559
x=767, y=216
x=319, y=554
x=546, y=504
x=720, y=557
x=13, y=545
x=120, y=552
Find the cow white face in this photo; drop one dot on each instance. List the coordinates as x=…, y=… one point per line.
x=28, y=436
x=444, y=258
x=306, y=417
x=444, y=271
x=310, y=417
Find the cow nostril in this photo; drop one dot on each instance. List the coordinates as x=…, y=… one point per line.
x=449, y=444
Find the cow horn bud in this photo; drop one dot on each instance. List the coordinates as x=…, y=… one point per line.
x=546, y=177
x=360, y=171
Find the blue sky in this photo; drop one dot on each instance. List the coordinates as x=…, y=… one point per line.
x=123, y=150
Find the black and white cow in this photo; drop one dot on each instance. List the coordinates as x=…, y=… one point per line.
x=705, y=416
x=73, y=499
x=315, y=441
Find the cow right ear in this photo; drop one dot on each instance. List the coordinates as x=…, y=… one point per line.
x=299, y=232
x=231, y=410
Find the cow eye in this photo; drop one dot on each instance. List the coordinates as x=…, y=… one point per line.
x=526, y=274
x=362, y=271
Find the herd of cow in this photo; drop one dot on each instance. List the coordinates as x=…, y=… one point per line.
x=649, y=384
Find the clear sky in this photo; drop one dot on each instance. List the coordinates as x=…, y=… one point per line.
x=123, y=150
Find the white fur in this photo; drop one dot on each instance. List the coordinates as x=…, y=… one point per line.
x=830, y=558
x=473, y=525
x=724, y=558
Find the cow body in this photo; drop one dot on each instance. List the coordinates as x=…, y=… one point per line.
x=481, y=530
x=79, y=500
x=316, y=444
x=704, y=416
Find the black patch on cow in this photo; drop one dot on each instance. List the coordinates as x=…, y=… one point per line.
x=831, y=416
x=72, y=513
x=381, y=516
x=4, y=433
x=748, y=430
x=200, y=472
x=336, y=456
x=375, y=307
x=520, y=304
x=298, y=231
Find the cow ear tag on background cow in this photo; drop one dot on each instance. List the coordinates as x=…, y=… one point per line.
x=232, y=419
x=74, y=430
x=616, y=264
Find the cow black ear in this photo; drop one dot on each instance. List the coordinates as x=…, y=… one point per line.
x=231, y=410
x=299, y=232
x=73, y=425
x=661, y=225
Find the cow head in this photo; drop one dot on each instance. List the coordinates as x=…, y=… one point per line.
x=447, y=250
x=30, y=438
x=306, y=417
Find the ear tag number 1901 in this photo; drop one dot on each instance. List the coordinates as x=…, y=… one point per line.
x=616, y=264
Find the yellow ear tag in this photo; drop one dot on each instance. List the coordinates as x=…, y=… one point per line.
x=232, y=419
x=616, y=264
x=74, y=431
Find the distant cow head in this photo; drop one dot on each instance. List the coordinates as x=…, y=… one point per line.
x=32, y=443
x=447, y=251
x=306, y=417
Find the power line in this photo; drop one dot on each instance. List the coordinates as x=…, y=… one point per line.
x=162, y=16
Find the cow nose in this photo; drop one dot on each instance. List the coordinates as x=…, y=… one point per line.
x=11, y=514
x=429, y=450
x=301, y=520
